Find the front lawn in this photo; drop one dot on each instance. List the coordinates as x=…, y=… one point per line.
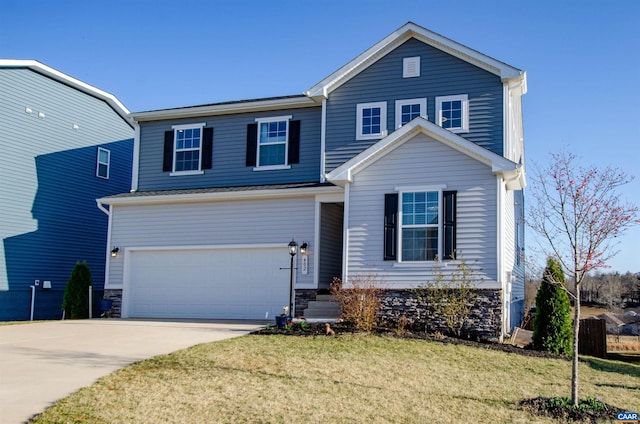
x=349, y=378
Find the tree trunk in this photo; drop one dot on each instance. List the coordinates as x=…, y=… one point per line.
x=576, y=333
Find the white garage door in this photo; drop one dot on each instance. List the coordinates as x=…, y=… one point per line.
x=207, y=283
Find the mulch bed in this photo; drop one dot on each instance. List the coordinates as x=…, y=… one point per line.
x=546, y=407
x=536, y=406
x=319, y=329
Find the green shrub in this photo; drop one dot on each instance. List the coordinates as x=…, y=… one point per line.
x=552, y=327
x=76, y=293
x=450, y=296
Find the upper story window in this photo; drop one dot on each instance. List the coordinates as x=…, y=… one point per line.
x=408, y=109
x=452, y=113
x=273, y=136
x=103, y=163
x=411, y=67
x=371, y=121
x=188, y=149
x=273, y=143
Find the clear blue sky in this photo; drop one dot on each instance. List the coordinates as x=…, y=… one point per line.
x=582, y=58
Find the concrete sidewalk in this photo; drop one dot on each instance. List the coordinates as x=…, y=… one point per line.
x=41, y=363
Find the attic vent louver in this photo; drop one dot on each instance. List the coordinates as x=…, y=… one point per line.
x=411, y=67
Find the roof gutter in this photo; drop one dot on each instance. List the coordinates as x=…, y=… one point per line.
x=226, y=108
x=216, y=196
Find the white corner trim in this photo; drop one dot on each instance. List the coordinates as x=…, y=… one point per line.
x=135, y=165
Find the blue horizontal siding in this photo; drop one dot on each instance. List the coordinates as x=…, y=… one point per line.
x=441, y=75
x=48, y=187
x=229, y=153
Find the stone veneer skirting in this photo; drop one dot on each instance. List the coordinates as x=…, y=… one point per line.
x=116, y=297
x=484, y=322
x=302, y=299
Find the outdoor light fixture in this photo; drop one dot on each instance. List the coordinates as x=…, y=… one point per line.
x=293, y=249
x=303, y=248
x=114, y=252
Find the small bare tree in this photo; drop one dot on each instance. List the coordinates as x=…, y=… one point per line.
x=578, y=213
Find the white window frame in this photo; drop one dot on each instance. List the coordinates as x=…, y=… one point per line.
x=411, y=67
x=420, y=189
x=464, y=98
x=360, y=107
x=422, y=102
x=107, y=164
x=177, y=128
x=285, y=165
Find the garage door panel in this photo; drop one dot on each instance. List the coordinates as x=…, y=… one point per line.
x=208, y=283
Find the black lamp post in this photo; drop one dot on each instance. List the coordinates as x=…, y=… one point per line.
x=293, y=249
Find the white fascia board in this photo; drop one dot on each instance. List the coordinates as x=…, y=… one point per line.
x=226, y=109
x=43, y=69
x=409, y=30
x=219, y=196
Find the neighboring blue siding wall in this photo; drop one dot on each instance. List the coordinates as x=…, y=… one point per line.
x=229, y=153
x=441, y=75
x=48, y=188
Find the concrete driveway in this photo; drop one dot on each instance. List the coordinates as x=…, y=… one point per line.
x=41, y=363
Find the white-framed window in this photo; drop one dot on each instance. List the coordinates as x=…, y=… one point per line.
x=411, y=67
x=187, y=148
x=103, y=163
x=273, y=142
x=452, y=113
x=371, y=120
x=420, y=229
x=408, y=109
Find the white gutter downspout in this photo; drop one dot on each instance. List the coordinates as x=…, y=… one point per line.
x=499, y=252
x=323, y=132
x=107, y=264
x=345, y=231
x=135, y=165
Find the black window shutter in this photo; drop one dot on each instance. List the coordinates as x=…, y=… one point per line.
x=252, y=144
x=449, y=212
x=294, y=142
x=167, y=161
x=207, y=147
x=390, y=226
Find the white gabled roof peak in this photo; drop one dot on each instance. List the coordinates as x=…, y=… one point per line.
x=402, y=34
x=56, y=75
x=510, y=171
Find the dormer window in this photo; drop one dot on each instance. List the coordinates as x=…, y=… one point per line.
x=452, y=113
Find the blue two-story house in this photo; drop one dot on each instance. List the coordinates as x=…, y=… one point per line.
x=63, y=143
x=400, y=164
